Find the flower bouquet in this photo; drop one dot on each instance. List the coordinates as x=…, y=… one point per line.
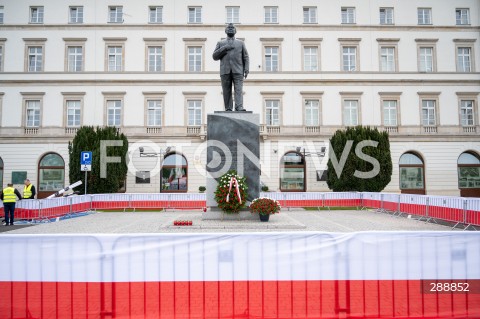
x=265, y=207
x=231, y=192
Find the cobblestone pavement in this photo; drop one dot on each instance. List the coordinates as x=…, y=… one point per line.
x=293, y=220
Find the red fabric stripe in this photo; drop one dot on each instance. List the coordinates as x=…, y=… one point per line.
x=227, y=299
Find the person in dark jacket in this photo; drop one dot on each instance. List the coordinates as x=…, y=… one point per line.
x=234, y=66
x=29, y=190
x=9, y=197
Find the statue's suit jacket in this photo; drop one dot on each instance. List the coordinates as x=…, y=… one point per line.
x=234, y=60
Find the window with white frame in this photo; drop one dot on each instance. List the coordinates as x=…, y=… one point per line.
x=390, y=113
x=115, y=14
x=310, y=58
x=272, y=112
x=75, y=58
x=36, y=14
x=349, y=58
x=75, y=15
x=425, y=59
x=155, y=58
x=32, y=114
x=462, y=16
x=194, y=59
x=194, y=14
x=467, y=113
x=424, y=16
x=350, y=112
x=1, y=14
x=387, y=59
x=428, y=113
x=35, y=59
x=348, y=15
x=271, y=15
x=271, y=58
x=73, y=113
x=194, y=112
x=386, y=15
x=155, y=15
x=114, y=112
x=154, y=112
x=115, y=55
x=464, y=59
x=233, y=14
x=309, y=14
x=312, y=112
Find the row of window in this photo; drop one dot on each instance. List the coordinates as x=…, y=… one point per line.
x=412, y=172
x=155, y=57
x=51, y=174
x=174, y=175
x=232, y=15
x=312, y=110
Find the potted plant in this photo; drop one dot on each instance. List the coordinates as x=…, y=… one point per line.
x=231, y=192
x=265, y=207
x=201, y=189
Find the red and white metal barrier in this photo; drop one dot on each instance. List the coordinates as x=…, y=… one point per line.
x=445, y=208
x=242, y=275
x=452, y=209
x=413, y=204
x=372, y=200
x=295, y=199
x=391, y=202
x=187, y=201
x=110, y=201
x=347, y=199
x=472, y=211
x=27, y=209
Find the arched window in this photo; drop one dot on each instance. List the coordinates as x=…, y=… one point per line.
x=292, y=172
x=469, y=174
x=51, y=174
x=412, y=174
x=174, y=174
x=1, y=172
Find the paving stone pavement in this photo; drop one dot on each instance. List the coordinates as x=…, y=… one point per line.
x=287, y=220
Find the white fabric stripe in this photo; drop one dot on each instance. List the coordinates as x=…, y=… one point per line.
x=251, y=256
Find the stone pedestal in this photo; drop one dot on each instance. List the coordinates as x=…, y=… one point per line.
x=233, y=142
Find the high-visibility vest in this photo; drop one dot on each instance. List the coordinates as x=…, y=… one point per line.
x=9, y=195
x=27, y=191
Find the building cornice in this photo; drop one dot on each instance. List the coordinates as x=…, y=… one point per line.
x=75, y=39
x=426, y=40
x=34, y=39
x=246, y=27
x=464, y=40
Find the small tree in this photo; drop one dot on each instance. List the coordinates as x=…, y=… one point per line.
x=88, y=138
x=347, y=181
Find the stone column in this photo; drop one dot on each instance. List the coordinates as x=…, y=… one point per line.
x=233, y=142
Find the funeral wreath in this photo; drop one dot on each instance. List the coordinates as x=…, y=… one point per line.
x=231, y=192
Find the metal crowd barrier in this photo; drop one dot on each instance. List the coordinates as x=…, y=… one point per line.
x=240, y=275
x=458, y=210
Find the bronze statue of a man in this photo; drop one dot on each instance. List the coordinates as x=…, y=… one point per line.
x=234, y=65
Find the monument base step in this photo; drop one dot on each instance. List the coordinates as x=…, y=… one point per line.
x=214, y=213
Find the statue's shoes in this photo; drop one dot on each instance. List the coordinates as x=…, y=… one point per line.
x=229, y=110
x=240, y=110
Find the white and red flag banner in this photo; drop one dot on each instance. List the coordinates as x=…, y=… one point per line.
x=241, y=275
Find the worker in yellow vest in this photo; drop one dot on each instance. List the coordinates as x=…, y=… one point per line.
x=9, y=197
x=29, y=190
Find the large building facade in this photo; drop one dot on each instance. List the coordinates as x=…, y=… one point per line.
x=146, y=67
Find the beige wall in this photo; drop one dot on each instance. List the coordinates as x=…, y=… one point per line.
x=291, y=84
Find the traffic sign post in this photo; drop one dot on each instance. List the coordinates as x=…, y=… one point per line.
x=86, y=165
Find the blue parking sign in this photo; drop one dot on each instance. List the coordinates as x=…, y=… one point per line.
x=86, y=158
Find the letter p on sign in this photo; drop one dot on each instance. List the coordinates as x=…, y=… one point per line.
x=86, y=158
